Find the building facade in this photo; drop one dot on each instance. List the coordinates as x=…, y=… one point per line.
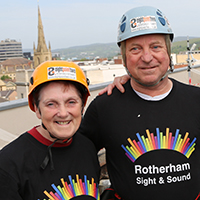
x=10, y=66
x=10, y=49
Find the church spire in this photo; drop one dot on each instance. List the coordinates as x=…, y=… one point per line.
x=41, y=39
x=41, y=54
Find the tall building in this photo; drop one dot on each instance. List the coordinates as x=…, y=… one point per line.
x=10, y=49
x=41, y=54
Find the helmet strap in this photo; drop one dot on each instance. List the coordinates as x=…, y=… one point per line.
x=49, y=156
x=64, y=141
x=48, y=131
x=166, y=74
x=168, y=71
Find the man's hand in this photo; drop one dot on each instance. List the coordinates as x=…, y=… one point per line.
x=118, y=82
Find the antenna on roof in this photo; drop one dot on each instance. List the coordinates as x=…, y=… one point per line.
x=190, y=61
x=188, y=43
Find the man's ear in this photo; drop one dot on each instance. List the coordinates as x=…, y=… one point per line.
x=37, y=112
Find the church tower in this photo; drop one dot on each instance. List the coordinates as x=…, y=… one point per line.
x=41, y=54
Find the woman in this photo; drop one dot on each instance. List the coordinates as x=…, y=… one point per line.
x=52, y=160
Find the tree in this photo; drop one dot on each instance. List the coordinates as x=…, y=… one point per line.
x=5, y=77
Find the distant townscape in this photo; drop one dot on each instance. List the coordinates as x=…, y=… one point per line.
x=100, y=62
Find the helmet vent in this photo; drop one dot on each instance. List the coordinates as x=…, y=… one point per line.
x=123, y=18
x=159, y=13
x=31, y=80
x=122, y=27
x=123, y=23
x=162, y=21
x=88, y=81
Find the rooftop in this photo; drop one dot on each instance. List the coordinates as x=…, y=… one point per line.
x=15, y=61
x=16, y=117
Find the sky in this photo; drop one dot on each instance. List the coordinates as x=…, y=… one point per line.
x=69, y=23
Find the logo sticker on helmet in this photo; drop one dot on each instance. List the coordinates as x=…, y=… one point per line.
x=143, y=23
x=61, y=72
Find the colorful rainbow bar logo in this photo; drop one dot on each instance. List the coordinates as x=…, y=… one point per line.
x=74, y=189
x=159, y=141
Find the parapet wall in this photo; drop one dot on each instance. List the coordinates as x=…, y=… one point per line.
x=16, y=117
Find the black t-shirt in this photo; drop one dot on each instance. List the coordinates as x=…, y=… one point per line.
x=152, y=147
x=76, y=169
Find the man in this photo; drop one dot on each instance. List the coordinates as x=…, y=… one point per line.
x=150, y=131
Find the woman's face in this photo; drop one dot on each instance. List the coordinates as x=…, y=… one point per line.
x=60, y=109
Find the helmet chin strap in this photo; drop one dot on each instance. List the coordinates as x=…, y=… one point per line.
x=54, y=136
x=168, y=71
x=44, y=127
x=151, y=85
x=49, y=157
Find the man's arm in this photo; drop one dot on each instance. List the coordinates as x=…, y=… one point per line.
x=118, y=82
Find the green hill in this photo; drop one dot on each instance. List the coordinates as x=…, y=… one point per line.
x=178, y=46
x=109, y=50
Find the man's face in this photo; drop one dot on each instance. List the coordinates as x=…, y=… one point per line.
x=146, y=58
x=60, y=110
